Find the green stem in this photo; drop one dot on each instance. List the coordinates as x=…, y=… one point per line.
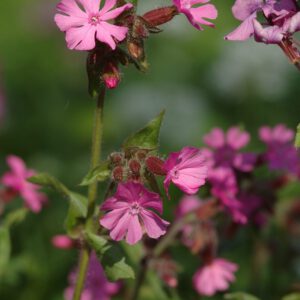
x=92, y=191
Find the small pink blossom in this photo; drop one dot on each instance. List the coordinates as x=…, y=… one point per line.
x=129, y=213
x=85, y=22
x=96, y=286
x=281, y=153
x=197, y=13
x=214, y=276
x=225, y=147
x=186, y=169
x=62, y=242
x=16, y=180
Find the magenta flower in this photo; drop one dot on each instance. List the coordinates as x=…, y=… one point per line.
x=225, y=188
x=129, y=213
x=281, y=153
x=197, y=13
x=225, y=149
x=16, y=180
x=96, y=286
x=186, y=169
x=85, y=22
x=215, y=276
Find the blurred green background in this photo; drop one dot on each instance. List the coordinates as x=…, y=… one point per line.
x=201, y=80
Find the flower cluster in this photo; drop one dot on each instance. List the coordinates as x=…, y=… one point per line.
x=281, y=21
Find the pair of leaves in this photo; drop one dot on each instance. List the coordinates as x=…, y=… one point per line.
x=111, y=258
x=78, y=203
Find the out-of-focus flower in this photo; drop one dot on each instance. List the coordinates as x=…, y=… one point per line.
x=129, y=213
x=225, y=149
x=62, y=242
x=96, y=286
x=214, y=276
x=186, y=169
x=196, y=12
x=16, y=180
x=225, y=188
x=281, y=153
x=88, y=22
x=111, y=75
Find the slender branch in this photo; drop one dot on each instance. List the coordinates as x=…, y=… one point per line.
x=92, y=191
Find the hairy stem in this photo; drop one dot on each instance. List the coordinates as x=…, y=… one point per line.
x=92, y=191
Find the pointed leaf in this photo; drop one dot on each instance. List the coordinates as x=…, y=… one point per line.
x=147, y=137
x=100, y=173
x=119, y=270
x=98, y=243
x=5, y=248
x=240, y=296
x=297, y=140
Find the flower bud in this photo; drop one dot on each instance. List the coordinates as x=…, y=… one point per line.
x=62, y=242
x=116, y=158
x=111, y=75
x=160, y=16
x=155, y=165
x=134, y=166
x=136, y=49
x=117, y=173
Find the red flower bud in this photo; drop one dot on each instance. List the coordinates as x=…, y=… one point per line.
x=111, y=75
x=117, y=173
x=155, y=165
x=134, y=166
x=160, y=16
x=116, y=159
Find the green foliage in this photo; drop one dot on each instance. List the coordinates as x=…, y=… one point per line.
x=16, y=216
x=240, y=296
x=147, y=137
x=100, y=173
x=5, y=248
x=295, y=296
x=111, y=258
x=78, y=203
x=297, y=140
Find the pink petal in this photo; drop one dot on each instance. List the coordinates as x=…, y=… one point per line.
x=151, y=200
x=199, y=14
x=118, y=232
x=16, y=164
x=244, y=161
x=113, y=203
x=108, y=5
x=66, y=22
x=110, y=219
x=154, y=225
x=118, y=32
x=244, y=31
x=91, y=6
x=267, y=35
x=215, y=139
x=242, y=9
x=115, y=12
x=237, y=138
x=81, y=38
x=105, y=36
x=134, y=233
x=294, y=25
x=33, y=199
x=70, y=8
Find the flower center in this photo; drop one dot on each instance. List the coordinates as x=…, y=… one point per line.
x=94, y=19
x=134, y=209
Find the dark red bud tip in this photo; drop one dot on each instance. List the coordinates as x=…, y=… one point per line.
x=136, y=50
x=160, y=16
x=134, y=166
x=117, y=173
x=116, y=158
x=155, y=165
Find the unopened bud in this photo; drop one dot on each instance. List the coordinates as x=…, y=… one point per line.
x=160, y=16
x=155, y=165
x=117, y=173
x=62, y=242
x=136, y=49
x=111, y=75
x=116, y=158
x=134, y=166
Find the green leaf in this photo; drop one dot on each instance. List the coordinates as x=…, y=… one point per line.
x=100, y=173
x=15, y=217
x=295, y=296
x=240, y=296
x=79, y=202
x=118, y=270
x=147, y=137
x=98, y=243
x=5, y=249
x=297, y=140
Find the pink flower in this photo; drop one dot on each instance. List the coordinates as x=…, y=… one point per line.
x=16, y=180
x=215, y=276
x=196, y=13
x=186, y=169
x=225, y=149
x=84, y=23
x=62, y=242
x=129, y=215
x=281, y=153
x=96, y=286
